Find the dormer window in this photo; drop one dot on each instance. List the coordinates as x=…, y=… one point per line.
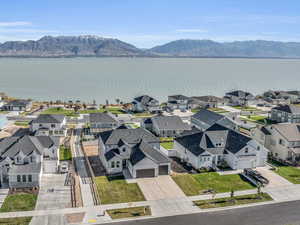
x=246, y=150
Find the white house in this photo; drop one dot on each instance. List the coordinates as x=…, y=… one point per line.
x=178, y=102
x=283, y=141
x=24, y=159
x=239, y=98
x=218, y=145
x=18, y=105
x=135, y=150
x=49, y=125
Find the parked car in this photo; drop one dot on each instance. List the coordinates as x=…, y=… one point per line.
x=64, y=167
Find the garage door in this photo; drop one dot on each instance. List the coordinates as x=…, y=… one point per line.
x=163, y=170
x=245, y=164
x=145, y=173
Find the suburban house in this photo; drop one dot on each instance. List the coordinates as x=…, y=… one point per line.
x=208, y=101
x=206, y=118
x=239, y=98
x=286, y=114
x=283, y=141
x=219, y=146
x=166, y=126
x=17, y=105
x=178, y=102
x=281, y=97
x=145, y=103
x=49, y=125
x=24, y=159
x=102, y=121
x=132, y=150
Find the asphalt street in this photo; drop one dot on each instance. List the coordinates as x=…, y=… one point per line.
x=287, y=213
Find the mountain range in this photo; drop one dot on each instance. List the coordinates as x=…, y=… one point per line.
x=72, y=46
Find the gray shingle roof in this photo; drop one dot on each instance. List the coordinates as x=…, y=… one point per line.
x=179, y=97
x=11, y=146
x=207, y=116
x=170, y=123
x=18, y=102
x=198, y=143
x=288, y=108
x=130, y=136
x=25, y=169
x=143, y=150
x=49, y=118
x=240, y=94
x=290, y=131
x=111, y=154
x=145, y=99
x=101, y=118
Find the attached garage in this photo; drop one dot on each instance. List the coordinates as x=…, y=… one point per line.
x=163, y=170
x=140, y=173
x=246, y=164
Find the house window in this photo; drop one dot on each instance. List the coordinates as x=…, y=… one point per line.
x=24, y=178
x=113, y=164
x=281, y=142
x=29, y=178
x=52, y=125
x=118, y=164
x=19, y=178
x=246, y=150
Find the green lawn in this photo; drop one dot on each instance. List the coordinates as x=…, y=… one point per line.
x=65, y=153
x=133, y=125
x=15, y=221
x=218, y=110
x=116, y=190
x=19, y=202
x=167, y=142
x=129, y=212
x=290, y=173
x=237, y=200
x=114, y=110
x=22, y=123
x=256, y=119
x=196, y=184
x=246, y=108
x=144, y=114
x=57, y=110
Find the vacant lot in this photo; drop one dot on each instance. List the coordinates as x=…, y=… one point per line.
x=58, y=110
x=15, y=221
x=196, y=184
x=129, y=212
x=238, y=200
x=116, y=190
x=19, y=202
x=167, y=143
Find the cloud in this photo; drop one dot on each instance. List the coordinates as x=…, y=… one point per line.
x=191, y=31
x=15, y=24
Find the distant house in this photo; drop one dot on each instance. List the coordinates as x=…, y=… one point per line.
x=102, y=121
x=166, y=126
x=178, y=102
x=281, y=97
x=208, y=101
x=49, y=125
x=1, y=102
x=145, y=103
x=286, y=114
x=133, y=150
x=219, y=145
x=283, y=141
x=17, y=105
x=24, y=159
x=239, y=98
x=206, y=118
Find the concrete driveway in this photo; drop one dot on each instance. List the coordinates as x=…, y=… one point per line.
x=54, y=194
x=275, y=180
x=161, y=187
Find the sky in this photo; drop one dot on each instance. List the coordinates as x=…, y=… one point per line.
x=147, y=23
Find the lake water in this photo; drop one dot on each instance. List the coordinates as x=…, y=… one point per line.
x=110, y=78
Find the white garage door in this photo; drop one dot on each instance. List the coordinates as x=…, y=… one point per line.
x=244, y=164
